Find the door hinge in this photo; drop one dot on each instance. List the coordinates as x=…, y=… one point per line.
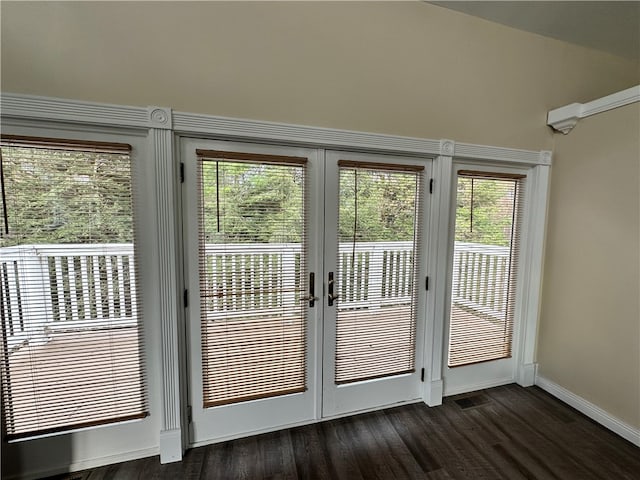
x=189, y=414
x=427, y=284
x=431, y=185
x=422, y=375
x=181, y=172
x=185, y=298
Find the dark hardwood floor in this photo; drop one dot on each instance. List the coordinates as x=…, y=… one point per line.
x=506, y=432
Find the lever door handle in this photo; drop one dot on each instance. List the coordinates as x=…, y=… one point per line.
x=312, y=288
x=330, y=296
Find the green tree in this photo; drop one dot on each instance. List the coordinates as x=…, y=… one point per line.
x=252, y=203
x=55, y=196
x=484, y=210
x=384, y=202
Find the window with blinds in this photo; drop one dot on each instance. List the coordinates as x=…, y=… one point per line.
x=489, y=208
x=378, y=258
x=253, y=275
x=71, y=325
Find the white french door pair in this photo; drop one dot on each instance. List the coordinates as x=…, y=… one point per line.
x=305, y=271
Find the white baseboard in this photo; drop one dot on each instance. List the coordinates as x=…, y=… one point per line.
x=86, y=464
x=592, y=411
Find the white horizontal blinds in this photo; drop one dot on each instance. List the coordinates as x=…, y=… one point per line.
x=253, y=276
x=376, y=284
x=71, y=331
x=489, y=209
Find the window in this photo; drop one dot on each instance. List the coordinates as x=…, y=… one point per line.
x=71, y=321
x=487, y=225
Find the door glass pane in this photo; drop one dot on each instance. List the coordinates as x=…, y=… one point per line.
x=252, y=276
x=377, y=263
x=488, y=211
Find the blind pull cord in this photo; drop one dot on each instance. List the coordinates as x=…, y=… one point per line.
x=5, y=216
x=355, y=218
x=218, y=194
x=471, y=210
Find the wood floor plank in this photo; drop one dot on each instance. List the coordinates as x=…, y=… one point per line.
x=416, y=441
x=403, y=453
x=342, y=454
x=552, y=443
x=508, y=432
x=311, y=456
x=276, y=456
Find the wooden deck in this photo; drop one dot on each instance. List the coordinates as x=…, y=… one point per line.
x=472, y=337
x=262, y=359
x=77, y=377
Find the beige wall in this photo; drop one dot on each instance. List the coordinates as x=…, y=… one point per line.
x=407, y=68
x=589, y=339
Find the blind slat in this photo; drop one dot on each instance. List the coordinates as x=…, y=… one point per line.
x=63, y=144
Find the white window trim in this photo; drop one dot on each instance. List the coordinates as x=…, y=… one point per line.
x=164, y=126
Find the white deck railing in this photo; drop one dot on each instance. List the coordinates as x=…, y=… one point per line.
x=61, y=287
x=480, y=279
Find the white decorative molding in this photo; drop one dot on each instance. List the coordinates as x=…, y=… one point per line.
x=29, y=107
x=242, y=129
x=484, y=152
x=447, y=148
x=563, y=119
x=72, y=111
x=545, y=157
x=604, y=418
x=438, y=240
x=170, y=308
x=529, y=283
x=160, y=117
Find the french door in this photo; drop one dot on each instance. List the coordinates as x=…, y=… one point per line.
x=304, y=270
x=374, y=213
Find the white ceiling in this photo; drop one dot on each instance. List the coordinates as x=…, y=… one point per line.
x=613, y=27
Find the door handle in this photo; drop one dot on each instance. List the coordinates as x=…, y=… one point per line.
x=312, y=288
x=330, y=296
